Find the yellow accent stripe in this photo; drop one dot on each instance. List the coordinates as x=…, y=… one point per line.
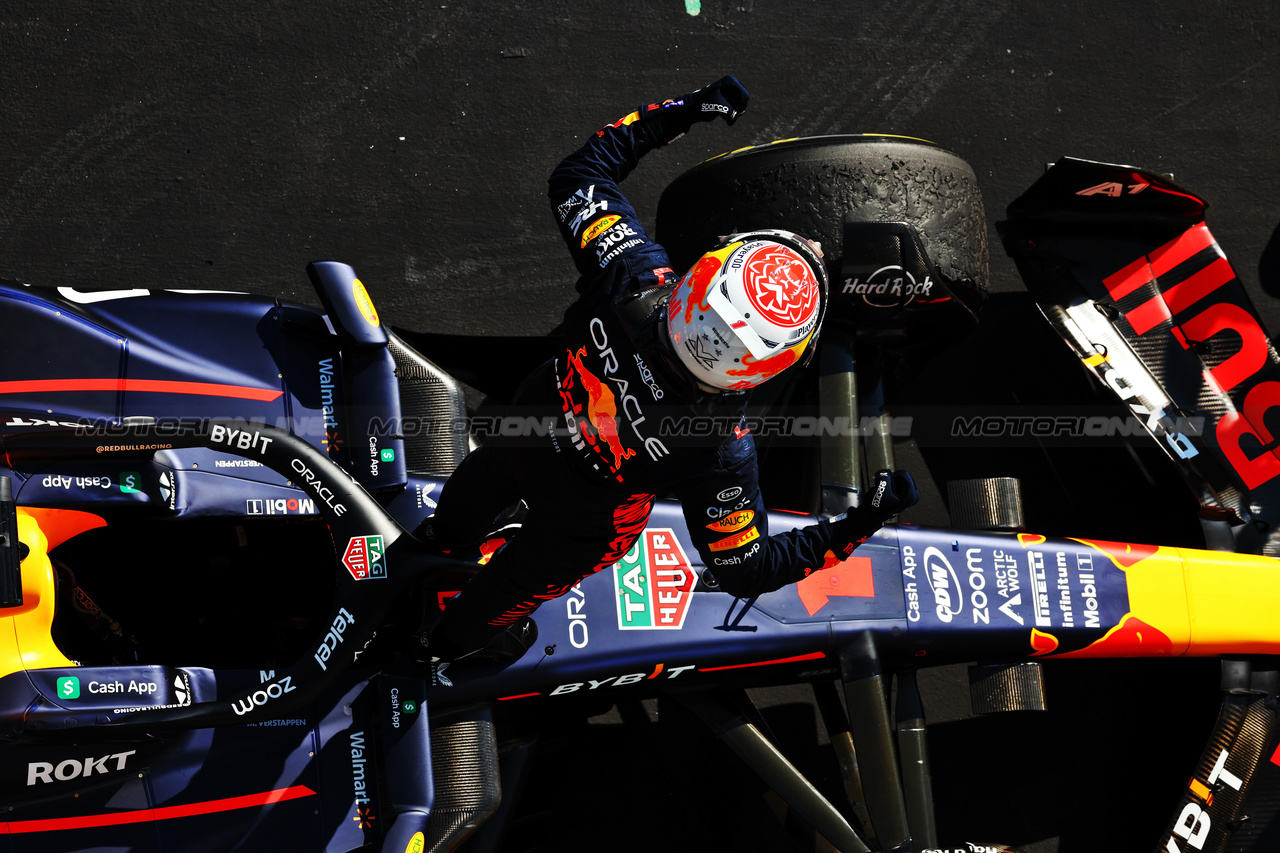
x=1208, y=603
x=821, y=138
x=26, y=640
x=1233, y=600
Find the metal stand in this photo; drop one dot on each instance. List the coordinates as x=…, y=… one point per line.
x=838, y=403
x=867, y=700
x=917, y=781
x=749, y=744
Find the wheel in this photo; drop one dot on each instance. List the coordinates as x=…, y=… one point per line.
x=814, y=186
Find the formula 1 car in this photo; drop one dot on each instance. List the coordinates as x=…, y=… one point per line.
x=211, y=613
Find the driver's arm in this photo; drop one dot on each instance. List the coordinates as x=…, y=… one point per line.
x=729, y=525
x=596, y=221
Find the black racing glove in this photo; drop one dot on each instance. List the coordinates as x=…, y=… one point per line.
x=726, y=98
x=893, y=492
x=672, y=118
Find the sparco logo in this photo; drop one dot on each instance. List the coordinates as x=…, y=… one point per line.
x=944, y=583
x=888, y=287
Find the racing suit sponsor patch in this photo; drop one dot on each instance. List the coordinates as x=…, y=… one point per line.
x=735, y=541
x=595, y=229
x=733, y=522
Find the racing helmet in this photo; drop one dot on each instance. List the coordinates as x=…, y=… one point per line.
x=748, y=309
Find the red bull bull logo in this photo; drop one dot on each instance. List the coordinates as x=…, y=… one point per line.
x=600, y=426
x=695, y=286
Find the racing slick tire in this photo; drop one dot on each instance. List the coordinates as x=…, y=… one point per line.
x=813, y=185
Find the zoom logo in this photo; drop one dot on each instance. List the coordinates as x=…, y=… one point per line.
x=274, y=690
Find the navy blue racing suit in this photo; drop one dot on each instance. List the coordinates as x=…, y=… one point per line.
x=614, y=398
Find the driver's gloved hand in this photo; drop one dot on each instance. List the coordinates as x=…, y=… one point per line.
x=894, y=492
x=726, y=98
x=891, y=493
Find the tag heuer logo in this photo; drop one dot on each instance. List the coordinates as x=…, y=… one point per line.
x=654, y=583
x=364, y=558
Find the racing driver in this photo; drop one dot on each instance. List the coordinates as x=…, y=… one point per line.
x=639, y=341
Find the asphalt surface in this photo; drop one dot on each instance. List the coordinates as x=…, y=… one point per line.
x=224, y=145
x=216, y=144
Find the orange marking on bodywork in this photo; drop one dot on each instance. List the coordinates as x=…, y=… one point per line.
x=1201, y=790
x=488, y=548
x=59, y=525
x=1042, y=643
x=851, y=578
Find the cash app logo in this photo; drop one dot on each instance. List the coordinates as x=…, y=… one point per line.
x=69, y=687
x=130, y=482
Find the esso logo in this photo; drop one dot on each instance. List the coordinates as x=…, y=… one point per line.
x=729, y=494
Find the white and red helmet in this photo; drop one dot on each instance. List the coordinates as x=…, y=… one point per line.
x=748, y=309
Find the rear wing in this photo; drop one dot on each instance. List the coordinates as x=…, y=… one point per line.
x=1121, y=263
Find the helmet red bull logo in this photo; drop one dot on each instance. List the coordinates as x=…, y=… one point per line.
x=748, y=309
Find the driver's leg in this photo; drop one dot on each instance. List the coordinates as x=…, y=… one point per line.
x=572, y=531
x=479, y=490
